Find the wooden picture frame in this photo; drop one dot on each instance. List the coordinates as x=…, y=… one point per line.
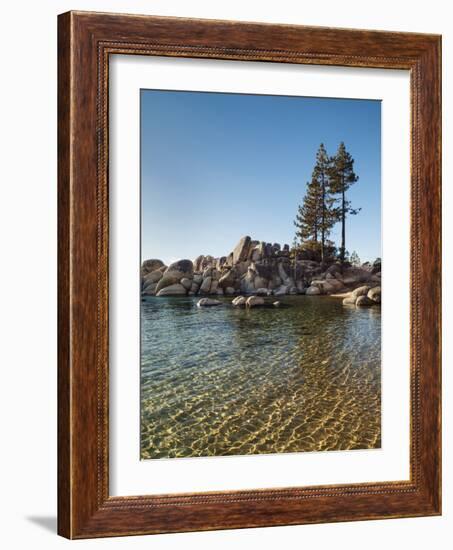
x=85, y=42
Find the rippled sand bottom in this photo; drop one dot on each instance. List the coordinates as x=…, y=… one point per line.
x=224, y=381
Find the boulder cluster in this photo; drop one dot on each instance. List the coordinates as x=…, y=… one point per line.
x=239, y=301
x=256, y=269
x=364, y=296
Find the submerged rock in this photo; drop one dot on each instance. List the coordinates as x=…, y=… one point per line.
x=254, y=301
x=205, y=302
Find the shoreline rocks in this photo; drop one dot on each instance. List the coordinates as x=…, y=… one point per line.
x=258, y=269
x=363, y=296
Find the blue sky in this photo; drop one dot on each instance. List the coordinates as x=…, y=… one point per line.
x=215, y=167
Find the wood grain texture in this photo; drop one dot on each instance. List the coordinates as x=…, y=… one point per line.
x=64, y=366
x=86, y=40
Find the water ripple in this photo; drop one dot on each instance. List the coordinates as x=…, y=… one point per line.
x=226, y=381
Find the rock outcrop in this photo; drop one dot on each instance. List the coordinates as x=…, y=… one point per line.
x=256, y=268
x=241, y=250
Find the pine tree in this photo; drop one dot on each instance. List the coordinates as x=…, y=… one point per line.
x=329, y=213
x=342, y=176
x=318, y=213
x=309, y=213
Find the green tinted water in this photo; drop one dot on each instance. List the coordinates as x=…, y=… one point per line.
x=227, y=381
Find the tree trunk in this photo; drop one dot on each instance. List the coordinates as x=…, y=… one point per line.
x=323, y=218
x=343, y=226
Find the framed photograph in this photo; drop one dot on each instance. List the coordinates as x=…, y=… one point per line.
x=249, y=275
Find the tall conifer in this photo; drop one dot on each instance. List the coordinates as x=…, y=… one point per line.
x=342, y=176
x=308, y=215
x=329, y=213
x=318, y=213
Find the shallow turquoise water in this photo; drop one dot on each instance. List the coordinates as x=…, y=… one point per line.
x=228, y=381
